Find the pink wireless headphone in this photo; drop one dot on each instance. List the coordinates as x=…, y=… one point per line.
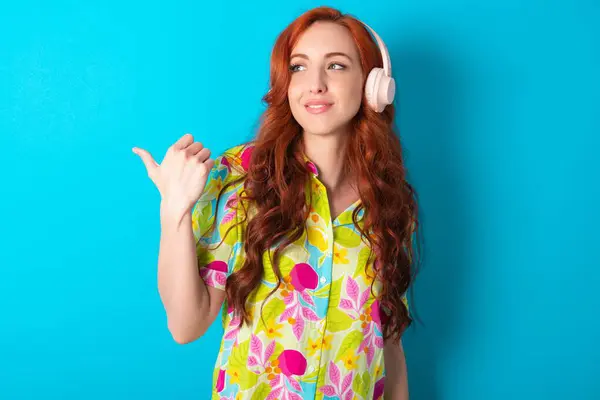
x=380, y=87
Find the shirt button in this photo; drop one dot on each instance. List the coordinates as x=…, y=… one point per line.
x=323, y=279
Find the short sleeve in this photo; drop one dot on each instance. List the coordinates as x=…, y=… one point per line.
x=217, y=248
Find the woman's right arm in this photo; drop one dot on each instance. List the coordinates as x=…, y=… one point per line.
x=191, y=306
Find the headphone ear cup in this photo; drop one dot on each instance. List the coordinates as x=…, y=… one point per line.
x=372, y=88
x=380, y=89
x=386, y=90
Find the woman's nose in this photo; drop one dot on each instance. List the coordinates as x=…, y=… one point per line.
x=317, y=82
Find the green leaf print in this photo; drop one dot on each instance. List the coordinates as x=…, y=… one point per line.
x=271, y=310
x=205, y=257
x=338, y=320
x=366, y=384
x=248, y=379
x=237, y=364
x=363, y=256
x=361, y=384
x=310, y=378
x=323, y=292
x=347, y=237
x=205, y=222
x=239, y=354
x=357, y=384
x=362, y=261
x=285, y=266
x=228, y=232
x=352, y=340
x=321, y=382
x=260, y=294
x=336, y=292
x=322, y=259
x=261, y=392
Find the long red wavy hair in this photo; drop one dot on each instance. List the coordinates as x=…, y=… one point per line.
x=277, y=175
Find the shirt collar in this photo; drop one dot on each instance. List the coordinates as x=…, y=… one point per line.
x=311, y=166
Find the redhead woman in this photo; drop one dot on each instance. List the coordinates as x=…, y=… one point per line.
x=303, y=240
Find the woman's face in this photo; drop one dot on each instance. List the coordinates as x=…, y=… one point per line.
x=326, y=86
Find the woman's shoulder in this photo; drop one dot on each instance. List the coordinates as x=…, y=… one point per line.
x=235, y=160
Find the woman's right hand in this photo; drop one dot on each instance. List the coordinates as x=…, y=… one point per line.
x=182, y=175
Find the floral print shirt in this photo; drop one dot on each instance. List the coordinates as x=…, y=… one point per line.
x=321, y=337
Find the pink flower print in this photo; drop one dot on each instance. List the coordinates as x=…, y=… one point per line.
x=214, y=273
x=302, y=277
x=312, y=167
x=225, y=162
x=221, y=380
x=258, y=356
x=371, y=339
x=292, y=362
x=355, y=300
x=281, y=375
x=232, y=202
x=233, y=328
x=375, y=314
x=245, y=157
x=379, y=387
x=336, y=387
x=220, y=266
x=279, y=371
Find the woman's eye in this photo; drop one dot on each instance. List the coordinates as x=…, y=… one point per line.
x=295, y=67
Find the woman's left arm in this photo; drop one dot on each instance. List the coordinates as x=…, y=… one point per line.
x=396, y=379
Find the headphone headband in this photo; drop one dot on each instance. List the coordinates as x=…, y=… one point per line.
x=387, y=64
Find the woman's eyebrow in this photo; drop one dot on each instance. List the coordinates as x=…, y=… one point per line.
x=328, y=55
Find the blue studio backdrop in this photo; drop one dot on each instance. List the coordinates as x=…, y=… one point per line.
x=499, y=112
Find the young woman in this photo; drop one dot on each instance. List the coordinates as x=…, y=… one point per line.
x=304, y=238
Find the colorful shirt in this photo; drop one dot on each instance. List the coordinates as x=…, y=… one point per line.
x=322, y=336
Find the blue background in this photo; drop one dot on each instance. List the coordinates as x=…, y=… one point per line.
x=499, y=110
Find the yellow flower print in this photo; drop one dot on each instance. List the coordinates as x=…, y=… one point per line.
x=215, y=188
x=327, y=342
x=368, y=274
x=349, y=360
x=313, y=346
x=235, y=375
x=273, y=329
x=340, y=255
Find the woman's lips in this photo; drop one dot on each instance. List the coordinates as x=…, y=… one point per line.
x=317, y=108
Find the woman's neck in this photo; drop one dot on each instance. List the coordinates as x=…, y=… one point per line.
x=328, y=154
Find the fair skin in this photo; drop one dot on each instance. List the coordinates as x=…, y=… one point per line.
x=326, y=70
